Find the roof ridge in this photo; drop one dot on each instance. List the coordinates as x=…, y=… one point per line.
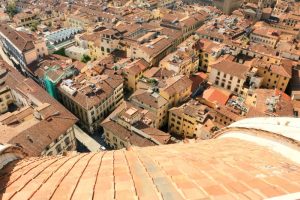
x=98, y=170
x=17, y=178
x=65, y=175
x=32, y=176
x=87, y=164
x=139, y=175
x=256, y=131
x=69, y=158
x=160, y=183
x=22, y=166
x=18, y=34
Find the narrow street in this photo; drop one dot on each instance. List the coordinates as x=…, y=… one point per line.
x=91, y=144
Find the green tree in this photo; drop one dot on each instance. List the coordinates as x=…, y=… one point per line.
x=33, y=25
x=11, y=9
x=60, y=52
x=85, y=58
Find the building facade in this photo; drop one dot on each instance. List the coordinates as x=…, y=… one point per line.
x=22, y=48
x=37, y=122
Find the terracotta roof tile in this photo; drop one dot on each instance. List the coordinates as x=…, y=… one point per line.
x=216, y=95
x=23, y=41
x=220, y=169
x=52, y=128
x=125, y=134
x=227, y=66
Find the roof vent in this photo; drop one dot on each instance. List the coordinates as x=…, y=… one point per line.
x=29, y=138
x=37, y=115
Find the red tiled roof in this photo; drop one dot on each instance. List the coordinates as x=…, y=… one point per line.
x=23, y=41
x=284, y=106
x=219, y=96
x=225, y=65
x=221, y=168
x=45, y=131
x=126, y=135
x=197, y=79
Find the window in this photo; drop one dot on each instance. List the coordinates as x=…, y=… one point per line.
x=67, y=140
x=58, y=148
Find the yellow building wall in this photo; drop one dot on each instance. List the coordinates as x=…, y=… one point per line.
x=113, y=140
x=175, y=123
x=5, y=99
x=95, y=52
x=132, y=81
x=162, y=115
x=182, y=125
x=222, y=119
x=189, y=125
x=175, y=99
x=206, y=60
x=272, y=80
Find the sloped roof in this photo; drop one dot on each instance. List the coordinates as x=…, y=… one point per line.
x=125, y=134
x=177, y=84
x=224, y=168
x=230, y=67
x=217, y=95
x=57, y=119
x=23, y=41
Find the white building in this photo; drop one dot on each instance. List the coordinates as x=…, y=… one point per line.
x=76, y=53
